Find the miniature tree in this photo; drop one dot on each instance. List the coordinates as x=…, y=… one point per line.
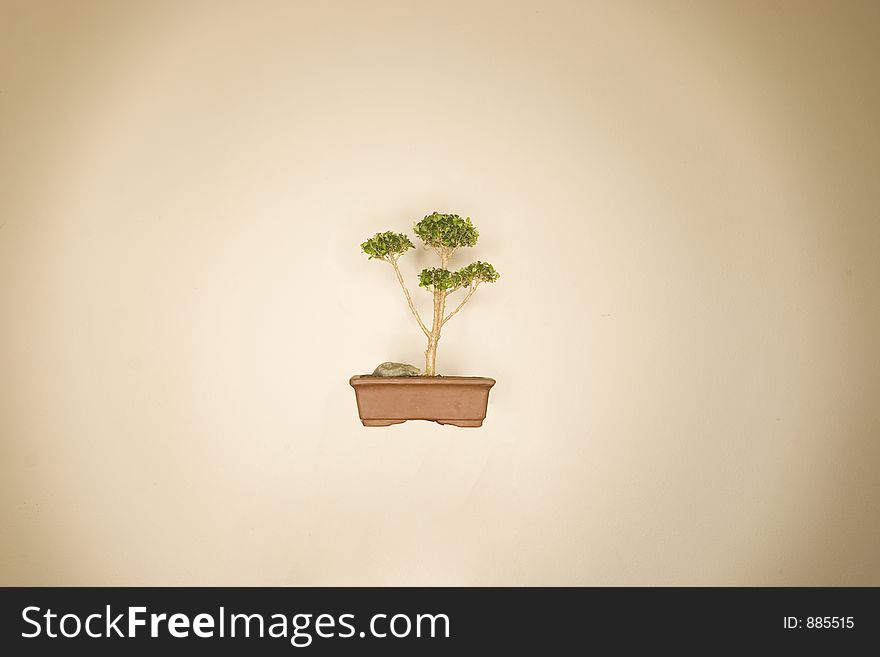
x=444, y=234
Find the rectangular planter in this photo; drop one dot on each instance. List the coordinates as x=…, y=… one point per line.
x=458, y=400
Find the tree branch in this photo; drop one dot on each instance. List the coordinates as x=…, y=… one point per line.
x=463, y=301
x=409, y=300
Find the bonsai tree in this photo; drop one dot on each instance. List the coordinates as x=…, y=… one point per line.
x=444, y=234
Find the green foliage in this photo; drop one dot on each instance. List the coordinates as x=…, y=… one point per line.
x=446, y=230
x=382, y=245
x=443, y=279
x=438, y=279
x=479, y=272
x=436, y=230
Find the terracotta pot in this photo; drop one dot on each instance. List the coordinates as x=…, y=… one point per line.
x=458, y=400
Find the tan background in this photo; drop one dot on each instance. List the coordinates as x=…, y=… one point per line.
x=682, y=199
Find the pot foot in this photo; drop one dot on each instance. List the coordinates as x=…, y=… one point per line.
x=461, y=423
x=455, y=423
x=381, y=423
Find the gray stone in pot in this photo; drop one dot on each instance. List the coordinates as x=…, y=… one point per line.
x=396, y=369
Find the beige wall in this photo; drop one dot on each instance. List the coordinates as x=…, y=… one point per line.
x=681, y=198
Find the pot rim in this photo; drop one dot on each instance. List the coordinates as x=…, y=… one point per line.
x=369, y=379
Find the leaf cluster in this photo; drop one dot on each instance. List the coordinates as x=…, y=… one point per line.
x=446, y=230
x=443, y=279
x=478, y=272
x=382, y=245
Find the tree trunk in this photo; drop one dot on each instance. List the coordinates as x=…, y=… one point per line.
x=431, y=358
x=434, y=337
